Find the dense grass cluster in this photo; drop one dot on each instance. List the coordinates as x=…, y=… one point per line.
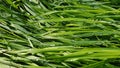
x=59, y=34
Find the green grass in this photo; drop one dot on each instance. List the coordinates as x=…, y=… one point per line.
x=59, y=34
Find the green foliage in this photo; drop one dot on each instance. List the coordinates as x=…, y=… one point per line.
x=59, y=34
